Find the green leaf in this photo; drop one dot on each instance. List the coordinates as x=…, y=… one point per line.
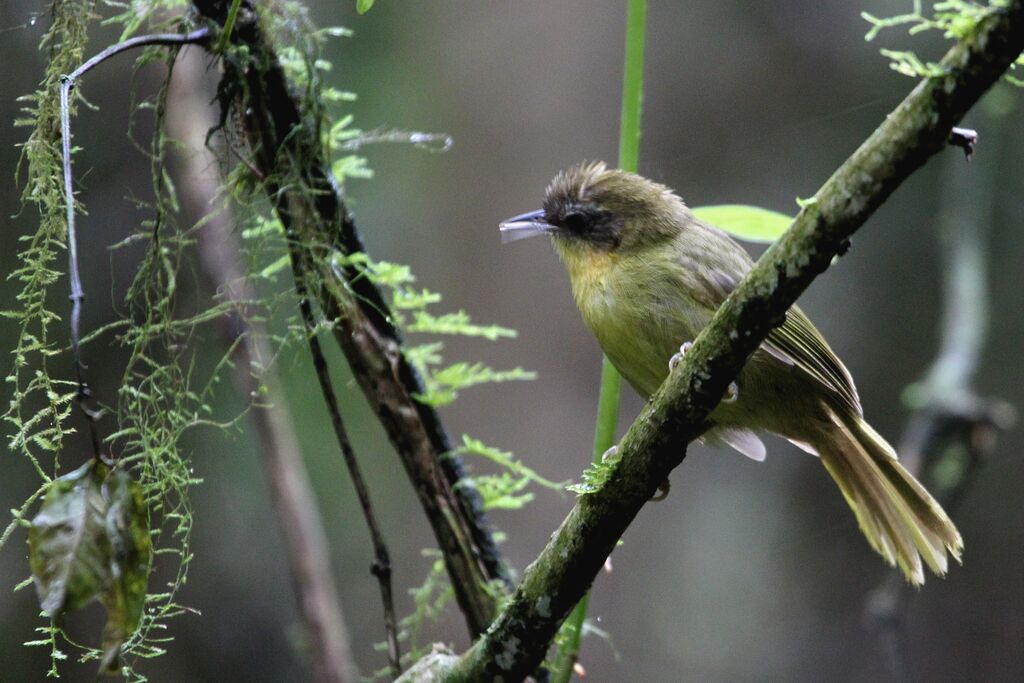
x=67, y=542
x=502, y=491
x=91, y=540
x=409, y=299
x=279, y=264
x=423, y=355
x=749, y=223
x=363, y=6
x=127, y=527
x=351, y=166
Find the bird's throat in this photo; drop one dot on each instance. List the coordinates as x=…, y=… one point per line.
x=590, y=272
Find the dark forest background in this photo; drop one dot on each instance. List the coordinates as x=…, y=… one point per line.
x=748, y=571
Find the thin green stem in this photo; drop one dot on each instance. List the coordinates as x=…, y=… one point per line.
x=607, y=409
x=611, y=382
x=632, y=86
x=229, y=26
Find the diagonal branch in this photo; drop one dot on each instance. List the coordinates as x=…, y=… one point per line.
x=918, y=128
x=288, y=153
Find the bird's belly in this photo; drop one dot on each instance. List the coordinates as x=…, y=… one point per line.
x=639, y=334
x=640, y=331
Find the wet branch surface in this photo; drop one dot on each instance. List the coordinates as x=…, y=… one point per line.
x=917, y=129
x=289, y=157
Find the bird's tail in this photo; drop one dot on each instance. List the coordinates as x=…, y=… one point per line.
x=899, y=517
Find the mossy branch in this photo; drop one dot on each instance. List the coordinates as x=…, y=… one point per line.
x=918, y=128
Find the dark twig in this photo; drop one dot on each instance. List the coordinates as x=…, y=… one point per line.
x=375, y=363
x=917, y=129
x=287, y=149
x=292, y=497
x=77, y=293
x=381, y=567
x=377, y=312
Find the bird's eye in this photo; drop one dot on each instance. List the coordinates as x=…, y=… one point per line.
x=575, y=221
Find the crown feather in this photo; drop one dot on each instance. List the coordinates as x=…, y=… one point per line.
x=573, y=184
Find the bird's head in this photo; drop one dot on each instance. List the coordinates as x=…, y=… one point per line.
x=591, y=208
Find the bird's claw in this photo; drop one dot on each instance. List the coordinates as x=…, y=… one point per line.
x=731, y=394
x=676, y=357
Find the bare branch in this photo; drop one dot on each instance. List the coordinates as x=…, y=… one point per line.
x=382, y=563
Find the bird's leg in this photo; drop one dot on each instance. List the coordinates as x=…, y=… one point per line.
x=731, y=394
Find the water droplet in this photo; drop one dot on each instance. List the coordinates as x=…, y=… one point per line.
x=32, y=20
x=432, y=142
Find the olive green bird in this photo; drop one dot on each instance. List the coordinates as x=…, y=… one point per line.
x=648, y=276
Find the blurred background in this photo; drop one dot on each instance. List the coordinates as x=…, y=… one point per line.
x=747, y=571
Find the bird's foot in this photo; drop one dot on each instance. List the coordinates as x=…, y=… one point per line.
x=662, y=494
x=731, y=394
x=676, y=357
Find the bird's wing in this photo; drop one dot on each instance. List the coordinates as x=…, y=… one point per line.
x=796, y=342
x=800, y=341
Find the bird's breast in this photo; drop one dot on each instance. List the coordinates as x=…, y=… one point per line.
x=639, y=315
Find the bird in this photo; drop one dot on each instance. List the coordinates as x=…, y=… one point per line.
x=647, y=276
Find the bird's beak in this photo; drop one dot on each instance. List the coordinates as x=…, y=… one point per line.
x=525, y=225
